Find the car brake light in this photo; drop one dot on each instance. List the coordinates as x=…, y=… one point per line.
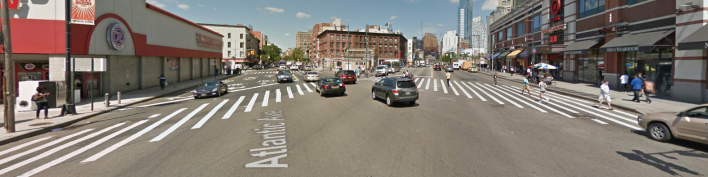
x=325, y=86
x=395, y=91
x=342, y=85
x=416, y=90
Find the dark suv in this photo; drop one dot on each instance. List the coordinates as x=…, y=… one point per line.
x=437, y=68
x=348, y=76
x=283, y=75
x=395, y=90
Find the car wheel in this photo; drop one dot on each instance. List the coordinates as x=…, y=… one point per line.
x=373, y=95
x=341, y=93
x=196, y=97
x=354, y=82
x=659, y=132
x=411, y=103
x=321, y=93
x=388, y=101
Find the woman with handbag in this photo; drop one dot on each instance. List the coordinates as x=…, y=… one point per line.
x=40, y=98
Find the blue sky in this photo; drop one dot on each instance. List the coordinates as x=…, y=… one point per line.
x=281, y=19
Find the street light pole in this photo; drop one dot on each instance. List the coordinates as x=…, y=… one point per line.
x=9, y=99
x=68, y=108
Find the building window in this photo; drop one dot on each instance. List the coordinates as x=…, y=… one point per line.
x=395, y=40
x=337, y=37
x=241, y=36
x=536, y=23
x=337, y=52
x=228, y=45
x=241, y=44
x=508, y=9
x=591, y=7
x=385, y=39
x=331, y=37
x=337, y=45
x=501, y=36
x=331, y=44
x=380, y=46
x=349, y=38
x=229, y=54
x=229, y=35
x=508, y=33
x=520, y=29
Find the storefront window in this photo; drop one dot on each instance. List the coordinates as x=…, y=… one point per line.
x=655, y=66
x=536, y=23
x=590, y=7
x=591, y=67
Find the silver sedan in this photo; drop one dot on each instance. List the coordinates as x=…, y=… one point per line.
x=312, y=76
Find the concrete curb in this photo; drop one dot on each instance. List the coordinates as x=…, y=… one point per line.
x=573, y=95
x=65, y=124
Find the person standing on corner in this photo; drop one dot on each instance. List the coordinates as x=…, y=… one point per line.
x=162, y=81
x=448, y=76
x=40, y=98
x=636, y=87
x=605, y=95
x=495, y=78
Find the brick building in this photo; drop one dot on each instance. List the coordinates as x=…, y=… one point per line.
x=302, y=39
x=333, y=46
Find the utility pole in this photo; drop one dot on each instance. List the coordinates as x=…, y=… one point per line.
x=68, y=108
x=9, y=70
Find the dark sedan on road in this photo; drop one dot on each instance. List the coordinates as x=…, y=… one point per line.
x=437, y=68
x=449, y=68
x=284, y=75
x=395, y=90
x=329, y=85
x=210, y=88
x=348, y=76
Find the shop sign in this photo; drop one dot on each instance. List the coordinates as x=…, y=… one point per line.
x=556, y=9
x=174, y=64
x=574, y=52
x=555, y=28
x=13, y=4
x=116, y=36
x=83, y=12
x=209, y=42
x=554, y=57
x=621, y=49
x=30, y=66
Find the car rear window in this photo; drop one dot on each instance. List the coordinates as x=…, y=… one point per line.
x=311, y=72
x=406, y=84
x=349, y=72
x=332, y=80
x=284, y=72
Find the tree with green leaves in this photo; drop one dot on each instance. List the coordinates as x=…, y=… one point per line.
x=271, y=53
x=447, y=57
x=297, y=55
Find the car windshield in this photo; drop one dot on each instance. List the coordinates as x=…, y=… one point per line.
x=210, y=83
x=332, y=80
x=380, y=67
x=284, y=72
x=406, y=84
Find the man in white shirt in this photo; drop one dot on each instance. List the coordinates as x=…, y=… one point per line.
x=624, y=80
x=605, y=95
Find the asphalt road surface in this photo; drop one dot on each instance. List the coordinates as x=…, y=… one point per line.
x=262, y=128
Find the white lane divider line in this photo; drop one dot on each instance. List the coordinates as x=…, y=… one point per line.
x=500, y=96
x=265, y=98
x=463, y=90
x=421, y=82
x=175, y=126
x=131, y=138
x=50, y=144
x=442, y=85
x=24, y=145
x=517, y=99
x=290, y=92
x=485, y=93
x=473, y=91
x=154, y=104
x=435, y=86
x=57, y=149
x=208, y=116
x=313, y=85
x=250, y=103
x=299, y=90
x=454, y=90
x=547, y=107
x=277, y=95
x=233, y=108
x=153, y=116
x=510, y=89
x=83, y=149
x=599, y=121
x=306, y=87
x=427, y=85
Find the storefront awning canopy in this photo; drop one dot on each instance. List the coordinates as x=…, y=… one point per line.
x=697, y=40
x=495, y=55
x=503, y=55
x=579, y=47
x=635, y=42
x=524, y=54
x=514, y=53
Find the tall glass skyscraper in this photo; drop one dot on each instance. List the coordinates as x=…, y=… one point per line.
x=464, y=22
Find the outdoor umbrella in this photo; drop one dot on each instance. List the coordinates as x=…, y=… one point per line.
x=544, y=66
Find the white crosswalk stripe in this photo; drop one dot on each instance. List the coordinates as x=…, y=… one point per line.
x=314, y=85
x=500, y=96
x=277, y=95
x=208, y=116
x=290, y=92
x=515, y=98
x=631, y=119
x=50, y=144
x=251, y=103
x=485, y=93
x=551, y=103
x=452, y=86
x=299, y=90
x=421, y=82
x=599, y=121
x=306, y=87
x=14, y=148
x=175, y=126
x=435, y=86
x=473, y=91
x=427, y=86
x=463, y=90
x=442, y=84
x=543, y=105
x=233, y=108
x=416, y=80
x=265, y=98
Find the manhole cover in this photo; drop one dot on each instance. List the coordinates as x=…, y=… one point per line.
x=40, y=124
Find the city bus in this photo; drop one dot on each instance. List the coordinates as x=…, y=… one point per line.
x=394, y=65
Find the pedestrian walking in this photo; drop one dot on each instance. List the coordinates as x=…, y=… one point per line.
x=605, y=95
x=636, y=87
x=495, y=78
x=647, y=87
x=542, y=89
x=512, y=71
x=40, y=98
x=623, y=82
x=448, y=76
x=525, y=86
x=162, y=81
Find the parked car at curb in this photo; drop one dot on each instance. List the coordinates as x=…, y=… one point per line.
x=348, y=76
x=210, y=88
x=690, y=124
x=312, y=76
x=330, y=85
x=395, y=90
x=283, y=75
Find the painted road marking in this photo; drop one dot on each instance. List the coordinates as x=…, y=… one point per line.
x=277, y=95
x=265, y=98
x=50, y=144
x=254, y=87
x=421, y=82
x=463, y=90
x=416, y=80
x=83, y=149
x=299, y=90
x=473, y=91
x=290, y=92
x=250, y=103
x=175, y=126
x=306, y=87
x=454, y=90
x=500, y=96
x=632, y=120
x=23, y=145
x=211, y=113
x=427, y=86
x=131, y=138
x=313, y=85
x=154, y=104
x=442, y=83
x=517, y=99
x=435, y=85
x=552, y=103
x=233, y=108
x=57, y=149
x=153, y=116
x=599, y=121
x=485, y=93
x=544, y=105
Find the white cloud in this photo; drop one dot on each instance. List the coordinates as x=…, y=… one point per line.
x=440, y=24
x=156, y=3
x=302, y=15
x=490, y=5
x=200, y=5
x=454, y=1
x=274, y=10
x=183, y=6
x=392, y=17
x=287, y=34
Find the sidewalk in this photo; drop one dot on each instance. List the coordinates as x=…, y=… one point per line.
x=27, y=126
x=620, y=99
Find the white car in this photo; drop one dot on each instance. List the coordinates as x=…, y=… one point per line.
x=294, y=67
x=312, y=76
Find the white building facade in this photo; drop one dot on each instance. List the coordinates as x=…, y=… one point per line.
x=239, y=43
x=409, y=52
x=449, y=42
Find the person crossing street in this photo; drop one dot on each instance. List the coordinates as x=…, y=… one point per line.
x=542, y=89
x=448, y=76
x=525, y=85
x=495, y=78
x=605, y=95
